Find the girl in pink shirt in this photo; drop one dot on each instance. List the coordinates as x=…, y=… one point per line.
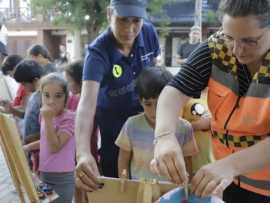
x=57, y=143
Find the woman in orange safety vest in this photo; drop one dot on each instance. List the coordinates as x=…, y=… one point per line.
x=234, y=64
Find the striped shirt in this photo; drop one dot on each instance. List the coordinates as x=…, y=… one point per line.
x=194, y=74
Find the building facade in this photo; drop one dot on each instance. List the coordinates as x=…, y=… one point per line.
x=22, y=29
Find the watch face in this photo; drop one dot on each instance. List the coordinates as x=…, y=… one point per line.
x=197, y=109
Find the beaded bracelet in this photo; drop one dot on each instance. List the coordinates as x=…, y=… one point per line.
x=160, y=136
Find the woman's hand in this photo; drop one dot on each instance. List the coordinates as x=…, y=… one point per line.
x=87, y=173
x=212, y=179
x=168, y=160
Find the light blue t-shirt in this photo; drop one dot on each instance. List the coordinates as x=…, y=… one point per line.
x=137, y=136
x=31, y=125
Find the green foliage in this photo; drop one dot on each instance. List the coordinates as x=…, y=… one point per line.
x=212, y=17
x=155, y=8
x=80, y=14
x=72, y=12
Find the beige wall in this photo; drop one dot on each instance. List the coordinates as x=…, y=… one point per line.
x=19, y=45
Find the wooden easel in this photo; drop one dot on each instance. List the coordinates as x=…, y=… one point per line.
x=12, y=148
x=119, y=190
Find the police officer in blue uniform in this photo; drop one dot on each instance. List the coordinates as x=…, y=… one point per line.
x=113, y=61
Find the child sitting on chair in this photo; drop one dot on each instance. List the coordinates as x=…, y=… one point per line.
x=137, y=135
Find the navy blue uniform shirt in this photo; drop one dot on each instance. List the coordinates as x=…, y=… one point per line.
x=116, y=72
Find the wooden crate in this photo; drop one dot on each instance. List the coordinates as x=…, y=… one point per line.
x=116, y=190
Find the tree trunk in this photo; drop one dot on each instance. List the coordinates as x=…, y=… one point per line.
x=77, y=45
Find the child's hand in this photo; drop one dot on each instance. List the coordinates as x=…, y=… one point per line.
x=202, y=124
x=26, y=149
x=3, y=102
x=7, y=107
x=47, y=112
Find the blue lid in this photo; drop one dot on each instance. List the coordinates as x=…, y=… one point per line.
x=177, y=194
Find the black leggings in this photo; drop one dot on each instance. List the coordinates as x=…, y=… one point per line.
x=235, y=194
x=108, y=164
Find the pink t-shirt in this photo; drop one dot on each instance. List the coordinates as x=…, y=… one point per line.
x=20, y=96
x=63, y=160
x=72, y=102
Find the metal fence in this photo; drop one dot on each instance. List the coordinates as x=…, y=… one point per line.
x=22, y=14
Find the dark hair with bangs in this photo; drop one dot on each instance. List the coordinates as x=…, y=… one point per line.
x=55, y=78
x=10, y=62
x=151, y=81
x=74, y=70
x=38, y=49
x=242, y=8
x=27, y=71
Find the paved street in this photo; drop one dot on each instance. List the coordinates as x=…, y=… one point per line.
x=7, y=190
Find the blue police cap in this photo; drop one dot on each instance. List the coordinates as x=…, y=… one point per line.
x=130, y=8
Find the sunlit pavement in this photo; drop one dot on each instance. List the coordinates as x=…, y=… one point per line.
x=7, y=189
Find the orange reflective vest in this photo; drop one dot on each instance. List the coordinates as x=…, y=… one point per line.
x=238, y=121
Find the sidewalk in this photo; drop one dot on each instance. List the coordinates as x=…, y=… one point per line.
x=7, y=190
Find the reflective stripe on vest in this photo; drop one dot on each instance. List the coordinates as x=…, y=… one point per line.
x=239, y=121
x=257, y=186
x=265, y=185
x=238, y=141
